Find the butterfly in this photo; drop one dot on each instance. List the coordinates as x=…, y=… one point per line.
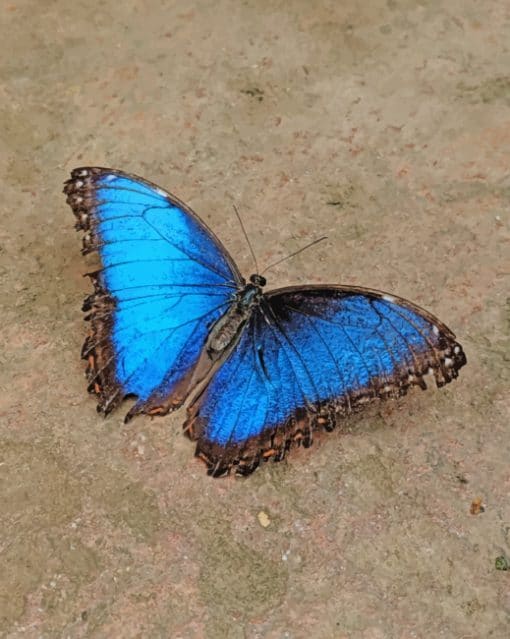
x=172, y=318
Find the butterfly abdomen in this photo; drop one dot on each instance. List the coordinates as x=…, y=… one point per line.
x=225, y=333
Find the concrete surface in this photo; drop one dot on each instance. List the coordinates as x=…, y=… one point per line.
x=386, y=126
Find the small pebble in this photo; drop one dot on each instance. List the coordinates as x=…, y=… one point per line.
x=263, y=518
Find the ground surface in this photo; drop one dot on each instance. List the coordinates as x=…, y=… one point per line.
x=386, y=127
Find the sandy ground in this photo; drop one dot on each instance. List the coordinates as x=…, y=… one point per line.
x=386, y=127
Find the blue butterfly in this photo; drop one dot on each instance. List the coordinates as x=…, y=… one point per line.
x=171, y=315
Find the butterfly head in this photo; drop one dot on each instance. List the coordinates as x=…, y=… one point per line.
x=251, y=294
x=258, y=280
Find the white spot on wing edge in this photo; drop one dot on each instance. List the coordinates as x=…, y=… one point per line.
x=110, y=178
x=161, y=192
x=456, y=350
x=435, y=330
x=389, y=298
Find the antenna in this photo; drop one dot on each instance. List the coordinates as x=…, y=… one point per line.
x=247, y=238
x=287, y=257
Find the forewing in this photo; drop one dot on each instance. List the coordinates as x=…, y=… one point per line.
x=164, y=280
x=309, y=357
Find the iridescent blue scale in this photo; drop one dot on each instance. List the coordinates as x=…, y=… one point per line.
x=172, y=316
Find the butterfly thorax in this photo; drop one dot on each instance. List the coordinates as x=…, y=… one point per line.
x=226, y=331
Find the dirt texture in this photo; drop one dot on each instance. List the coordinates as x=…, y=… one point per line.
x=384, y=125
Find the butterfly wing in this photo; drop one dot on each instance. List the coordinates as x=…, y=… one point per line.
x=165, y=278
x=308, y=357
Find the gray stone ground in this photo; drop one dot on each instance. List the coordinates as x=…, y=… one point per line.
x=386, y=126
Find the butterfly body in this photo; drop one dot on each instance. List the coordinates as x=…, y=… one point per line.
x=230, y=325
x=172, y=318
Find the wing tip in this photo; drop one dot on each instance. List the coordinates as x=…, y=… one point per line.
x=80, y=193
